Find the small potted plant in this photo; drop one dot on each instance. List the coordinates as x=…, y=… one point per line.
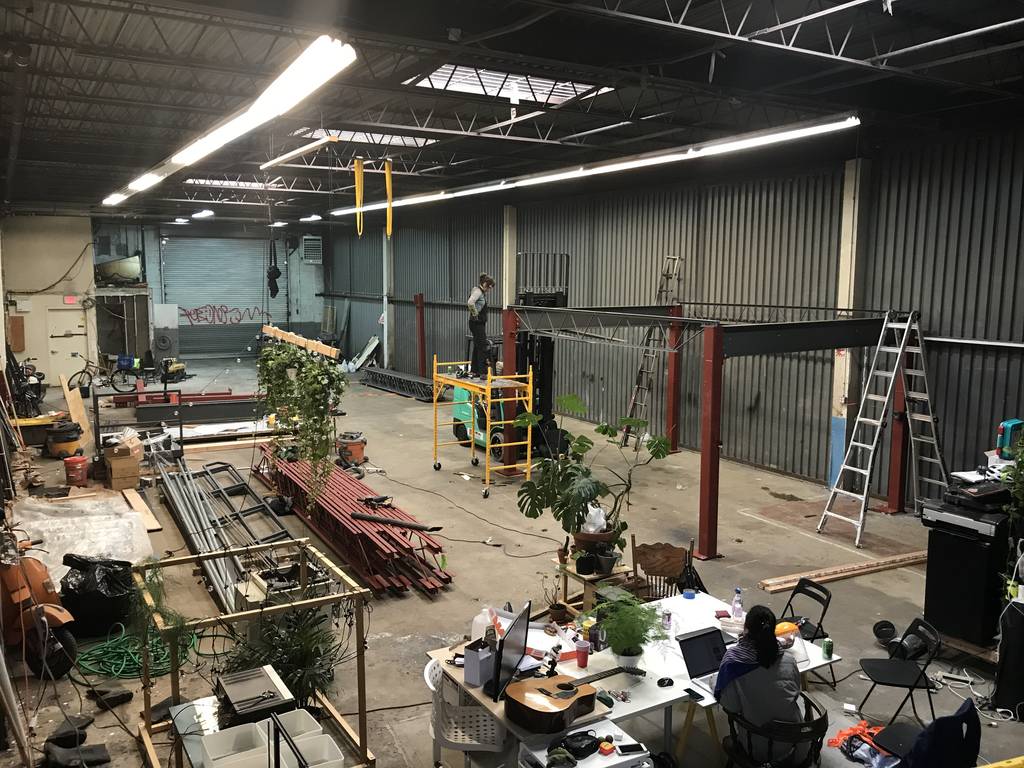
x=557, y=611
x=567, y=487
x=586, y=562
x=628, y=625
x=607, y=556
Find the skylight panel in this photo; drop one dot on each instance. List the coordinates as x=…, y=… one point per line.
x=504, y=85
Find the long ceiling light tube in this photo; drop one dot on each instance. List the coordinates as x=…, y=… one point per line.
x=298, y=152
x=694, y=151
x=321, y=61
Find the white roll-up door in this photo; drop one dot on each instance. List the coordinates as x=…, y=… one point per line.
x=220, y=287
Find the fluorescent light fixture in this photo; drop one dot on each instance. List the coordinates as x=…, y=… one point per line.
x=562, y=176
x=145, y=181
x=321, y=61
x=279, y=224
x=722, y=146
x=180, y=220
x=311, y=217
x=778, y=137
x=204, y=214
x=298, y=152
x=482, y=190
x=315, y=66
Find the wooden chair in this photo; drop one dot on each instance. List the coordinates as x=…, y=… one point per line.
x=661, y=565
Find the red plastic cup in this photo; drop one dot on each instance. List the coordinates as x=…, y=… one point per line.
x=582, y=653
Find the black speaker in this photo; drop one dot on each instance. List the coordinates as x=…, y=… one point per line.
x=963, y=588
x=1009, y=693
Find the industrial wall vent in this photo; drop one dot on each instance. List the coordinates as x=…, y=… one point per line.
x=328, y=319
x=312, y=249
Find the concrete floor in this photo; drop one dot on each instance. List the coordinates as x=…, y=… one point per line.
x=766, y=529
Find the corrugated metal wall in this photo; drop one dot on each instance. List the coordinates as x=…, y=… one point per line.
x=767, y=241
x=441, y=256
x=946, y=239
x=357, y=271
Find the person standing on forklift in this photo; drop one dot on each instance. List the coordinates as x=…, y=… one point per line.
x=477, y=304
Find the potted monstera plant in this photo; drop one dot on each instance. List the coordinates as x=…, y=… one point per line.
x=567, y=486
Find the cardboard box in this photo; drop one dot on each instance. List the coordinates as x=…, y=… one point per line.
x=130, y=446
x=122, y=472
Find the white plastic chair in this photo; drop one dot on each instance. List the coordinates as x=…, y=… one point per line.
x=466, y=728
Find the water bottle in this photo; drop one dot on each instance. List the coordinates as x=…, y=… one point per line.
x=737, y=605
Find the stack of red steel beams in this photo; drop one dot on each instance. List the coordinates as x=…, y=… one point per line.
x=386, y=557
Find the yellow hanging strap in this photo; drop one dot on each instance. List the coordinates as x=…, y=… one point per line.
x=359, y=197
x=387, y=183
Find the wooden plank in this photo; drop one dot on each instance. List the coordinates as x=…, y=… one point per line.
x=76, y=497
x=299, y=341
x=224, y=445
x=136, y=502
x=991, y=655
x=835, y=573
x=16, y=323
x=76, y=409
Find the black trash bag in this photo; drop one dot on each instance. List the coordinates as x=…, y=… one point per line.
x=97, y=592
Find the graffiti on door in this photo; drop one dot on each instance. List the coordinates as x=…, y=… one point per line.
x=212, y=314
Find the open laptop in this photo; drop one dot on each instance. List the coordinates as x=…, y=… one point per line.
x=702, y=653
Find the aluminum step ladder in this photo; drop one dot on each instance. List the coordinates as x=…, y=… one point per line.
x=900, y=352
x=654, y=339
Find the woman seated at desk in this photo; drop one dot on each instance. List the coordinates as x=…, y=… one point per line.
x=758, y=682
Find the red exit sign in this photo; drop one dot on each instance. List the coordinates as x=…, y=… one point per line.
x=70, y=299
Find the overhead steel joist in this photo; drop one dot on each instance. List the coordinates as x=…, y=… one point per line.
x=728, y=330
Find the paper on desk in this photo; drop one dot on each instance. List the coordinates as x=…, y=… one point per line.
x=969, y=476
x=536, y=639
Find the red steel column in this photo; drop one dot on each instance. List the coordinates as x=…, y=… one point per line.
x=675, y=377
x=509, y=335
x=898, y=451
x=421, y=335
x=710, y=442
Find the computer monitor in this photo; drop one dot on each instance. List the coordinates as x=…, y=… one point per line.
x=511, y=650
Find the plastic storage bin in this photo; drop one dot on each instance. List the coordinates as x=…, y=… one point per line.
x=238, y=747
x=319, y=751
x=299, y=724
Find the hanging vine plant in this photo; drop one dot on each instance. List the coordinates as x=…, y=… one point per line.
x=304, y=390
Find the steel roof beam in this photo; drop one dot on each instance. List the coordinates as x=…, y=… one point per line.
x=731, y=38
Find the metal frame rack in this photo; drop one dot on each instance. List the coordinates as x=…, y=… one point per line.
x=515, y=389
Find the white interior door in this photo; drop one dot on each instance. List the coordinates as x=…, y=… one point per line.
x=67, y=342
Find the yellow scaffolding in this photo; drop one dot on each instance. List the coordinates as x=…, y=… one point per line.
x=512, y=389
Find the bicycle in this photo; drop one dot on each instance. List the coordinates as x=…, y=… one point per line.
x=119, y=379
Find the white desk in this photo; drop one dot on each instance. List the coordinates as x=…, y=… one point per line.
x=660, y=659
x=537, y=748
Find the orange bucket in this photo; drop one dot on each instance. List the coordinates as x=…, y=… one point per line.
x=76, y=470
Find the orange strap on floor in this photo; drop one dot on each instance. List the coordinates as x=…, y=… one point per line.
x=861, y=729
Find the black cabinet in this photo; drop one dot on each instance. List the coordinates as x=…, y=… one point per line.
x=963, y=588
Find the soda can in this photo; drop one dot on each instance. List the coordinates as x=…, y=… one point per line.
x=666, y=619
x=826, y=648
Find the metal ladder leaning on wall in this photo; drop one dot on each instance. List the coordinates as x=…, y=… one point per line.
x=900, y=351
x=654, y=339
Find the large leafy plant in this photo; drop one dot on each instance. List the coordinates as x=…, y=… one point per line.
x=299, y=645
x=566, y=484
x=628, y=624
x=304, y=390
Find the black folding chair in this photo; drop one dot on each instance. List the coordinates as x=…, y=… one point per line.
x=783, y=739
x=905, y=673
x=809, y=630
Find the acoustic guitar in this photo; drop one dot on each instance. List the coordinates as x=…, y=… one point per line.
x=551, y=704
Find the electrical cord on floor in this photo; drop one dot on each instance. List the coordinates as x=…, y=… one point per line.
x=385, y=709
x=473, y=514
x=496, y=545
